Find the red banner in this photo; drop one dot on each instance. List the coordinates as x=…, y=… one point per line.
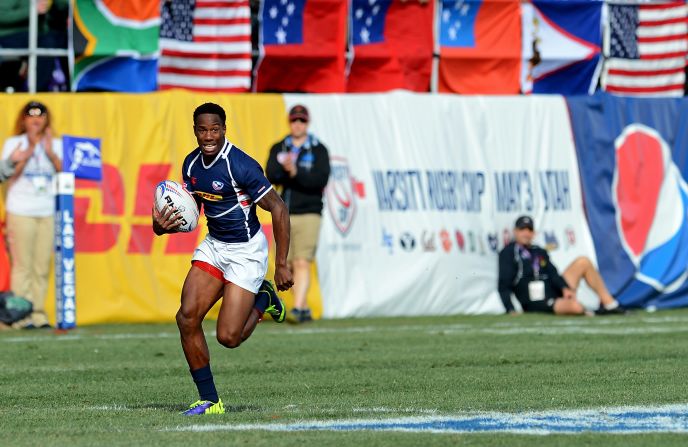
x=393, y=44
x=480, y=47
x=303, y=46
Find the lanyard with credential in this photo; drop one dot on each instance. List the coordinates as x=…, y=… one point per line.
x=535, y=261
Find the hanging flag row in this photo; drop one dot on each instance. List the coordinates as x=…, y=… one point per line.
x=146, y=45
x=319, y=46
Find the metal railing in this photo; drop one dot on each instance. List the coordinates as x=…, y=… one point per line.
x=33, y=51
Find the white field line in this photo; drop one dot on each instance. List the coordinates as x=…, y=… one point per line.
x=616, y=325
x=396, y=410
x=618, y=420
x=572, y=330
x=114, y=407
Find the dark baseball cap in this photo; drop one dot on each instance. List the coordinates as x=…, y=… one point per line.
x=299, y=112
x=524, y=222
x=35, y=108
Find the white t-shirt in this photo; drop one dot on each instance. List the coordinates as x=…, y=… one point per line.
x=33, y=193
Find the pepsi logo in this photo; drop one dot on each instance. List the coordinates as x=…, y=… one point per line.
x=651, y=199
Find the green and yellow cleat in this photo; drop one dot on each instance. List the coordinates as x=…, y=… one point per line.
x=275, y=307
x=205, y=407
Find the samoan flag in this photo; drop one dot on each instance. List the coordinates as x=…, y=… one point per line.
x=392, y=45
x=562, y=43
x=302, y=46
x=633, y=164
x=480, y=46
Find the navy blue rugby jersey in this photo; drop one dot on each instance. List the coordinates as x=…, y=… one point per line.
x=228, y=188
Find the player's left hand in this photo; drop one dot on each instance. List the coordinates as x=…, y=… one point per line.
x=283, y=278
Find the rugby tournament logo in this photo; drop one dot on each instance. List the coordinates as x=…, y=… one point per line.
x=342, y=193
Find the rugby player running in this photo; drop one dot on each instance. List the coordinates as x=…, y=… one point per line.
x=232, y=260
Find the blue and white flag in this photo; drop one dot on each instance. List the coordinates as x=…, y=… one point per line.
x=633, y=169
x=82, y=157
x=561, y=46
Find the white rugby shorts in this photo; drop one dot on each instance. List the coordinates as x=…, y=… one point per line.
x=243, y=263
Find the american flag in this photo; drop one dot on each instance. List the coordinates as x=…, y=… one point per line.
x=646, y=46
x=205, y=45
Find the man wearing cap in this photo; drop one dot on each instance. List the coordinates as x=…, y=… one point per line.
x=526, y=271
x=300, y=164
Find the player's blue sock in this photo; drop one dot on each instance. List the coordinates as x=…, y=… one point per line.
x=262, y=302
x=203, y=378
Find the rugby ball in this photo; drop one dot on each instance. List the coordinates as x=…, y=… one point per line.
x=173, y=194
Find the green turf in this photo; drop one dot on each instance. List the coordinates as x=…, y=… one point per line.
x=125, y=384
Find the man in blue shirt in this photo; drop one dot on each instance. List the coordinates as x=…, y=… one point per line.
x=231, y=262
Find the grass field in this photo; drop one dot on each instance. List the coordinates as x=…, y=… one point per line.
x=464, y=380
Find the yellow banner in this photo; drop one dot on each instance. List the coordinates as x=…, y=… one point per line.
x=123, y=272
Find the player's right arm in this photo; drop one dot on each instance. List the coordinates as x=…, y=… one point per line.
x=272, y=203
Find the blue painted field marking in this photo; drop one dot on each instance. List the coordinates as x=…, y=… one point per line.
x=621, y=420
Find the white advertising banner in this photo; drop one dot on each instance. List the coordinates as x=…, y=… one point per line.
x=424, y=192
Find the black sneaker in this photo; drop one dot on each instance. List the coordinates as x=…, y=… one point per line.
x=306, y=315
x=294, y=316
x=618, y=310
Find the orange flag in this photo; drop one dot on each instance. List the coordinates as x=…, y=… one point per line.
x=480, y=46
